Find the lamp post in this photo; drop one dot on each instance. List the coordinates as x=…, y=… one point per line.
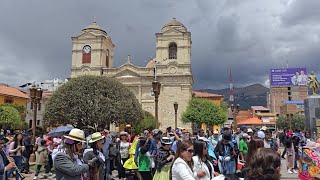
x=175, y=106
x=235, y=112
x=36, y=96
x=156, y=90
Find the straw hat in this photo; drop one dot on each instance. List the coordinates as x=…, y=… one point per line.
x=96, y=137
x=76, y=135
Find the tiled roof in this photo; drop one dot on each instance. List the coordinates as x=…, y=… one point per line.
x=204, y=94
x=11, y=91
x=254, y=121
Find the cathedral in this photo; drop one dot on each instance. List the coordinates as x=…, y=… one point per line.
x=93, y=54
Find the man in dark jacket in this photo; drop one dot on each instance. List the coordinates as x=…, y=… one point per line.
x=27, y=152
x=227, y=152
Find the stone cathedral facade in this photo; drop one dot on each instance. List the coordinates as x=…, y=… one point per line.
x=93, y=54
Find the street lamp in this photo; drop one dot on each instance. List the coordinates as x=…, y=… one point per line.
x=156, y=90
x=36, y=96
x=235, y=112
x=175, y=106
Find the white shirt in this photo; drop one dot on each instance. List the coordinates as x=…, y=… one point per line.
x=124, y=149
x=199, y=165
x=181, y=170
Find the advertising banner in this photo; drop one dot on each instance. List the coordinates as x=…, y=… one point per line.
x=289, y=77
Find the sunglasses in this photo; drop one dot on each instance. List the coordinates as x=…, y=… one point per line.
x=190, y=151
x=146, y=133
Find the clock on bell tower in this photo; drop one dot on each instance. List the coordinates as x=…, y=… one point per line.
x=92, y=50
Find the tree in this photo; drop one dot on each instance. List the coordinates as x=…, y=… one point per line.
x=204, y=111
x=94, y=101
x=10, y=117
x=297, y=122
x=21, y=109
x=148, y=122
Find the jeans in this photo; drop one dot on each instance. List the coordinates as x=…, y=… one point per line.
x=17, y=160
x=107, y=168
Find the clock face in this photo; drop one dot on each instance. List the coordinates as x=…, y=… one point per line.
x=86, y=49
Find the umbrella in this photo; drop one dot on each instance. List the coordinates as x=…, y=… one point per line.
x=60, y=131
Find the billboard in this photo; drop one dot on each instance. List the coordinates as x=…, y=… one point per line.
x=289, y=77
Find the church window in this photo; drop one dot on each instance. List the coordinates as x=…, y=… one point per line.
x=107, y=58
x=173, y=50
x=86, y=55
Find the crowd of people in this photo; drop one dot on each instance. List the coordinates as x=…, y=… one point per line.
x=244, y=153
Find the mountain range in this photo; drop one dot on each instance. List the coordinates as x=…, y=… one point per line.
x=252, y=95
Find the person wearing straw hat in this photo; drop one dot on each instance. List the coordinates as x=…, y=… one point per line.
x=164, y=159
x=97, y=170
x=67, y=164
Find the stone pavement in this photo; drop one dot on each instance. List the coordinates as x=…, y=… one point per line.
x=284, y=174
x=30, y=176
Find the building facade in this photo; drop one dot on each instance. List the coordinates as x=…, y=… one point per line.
x=93, y=54
x=12, y=95
x=278, y=96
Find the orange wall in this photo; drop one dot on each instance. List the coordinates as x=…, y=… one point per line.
x=16, y=100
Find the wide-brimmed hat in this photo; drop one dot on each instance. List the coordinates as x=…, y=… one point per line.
x=263, y=128
x=166, y=140
x=123, y=133
x=76, y=135
x=96, y=137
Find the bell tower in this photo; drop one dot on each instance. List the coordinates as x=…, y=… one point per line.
x=92, y=50
x=173, y=44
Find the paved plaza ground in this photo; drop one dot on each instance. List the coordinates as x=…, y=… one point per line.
x=285, y=175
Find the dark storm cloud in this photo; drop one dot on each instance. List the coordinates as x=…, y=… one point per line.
x=252, y=36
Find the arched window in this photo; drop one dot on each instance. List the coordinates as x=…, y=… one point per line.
x=107, y=58
x=173, y=50
x=86, y=55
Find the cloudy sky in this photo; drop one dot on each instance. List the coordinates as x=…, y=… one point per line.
x=252, y=36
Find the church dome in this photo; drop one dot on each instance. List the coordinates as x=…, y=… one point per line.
x=174, y=24
x=95, y=28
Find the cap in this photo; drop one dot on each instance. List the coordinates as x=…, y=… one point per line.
x=215, y=132
x=245, y=135
x=250, y=130
x=260, y=134
x=166, y=140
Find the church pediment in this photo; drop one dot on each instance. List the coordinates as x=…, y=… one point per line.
x=127, y=73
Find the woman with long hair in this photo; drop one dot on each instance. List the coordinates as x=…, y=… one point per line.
x=203, y=168
x=265, y=164
x=67, y=163
x=15, y=151
x=182, y=168
x=164, y=159
x=254, y=144
x=95, y=154
x=123, y=147
x=290, y=153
